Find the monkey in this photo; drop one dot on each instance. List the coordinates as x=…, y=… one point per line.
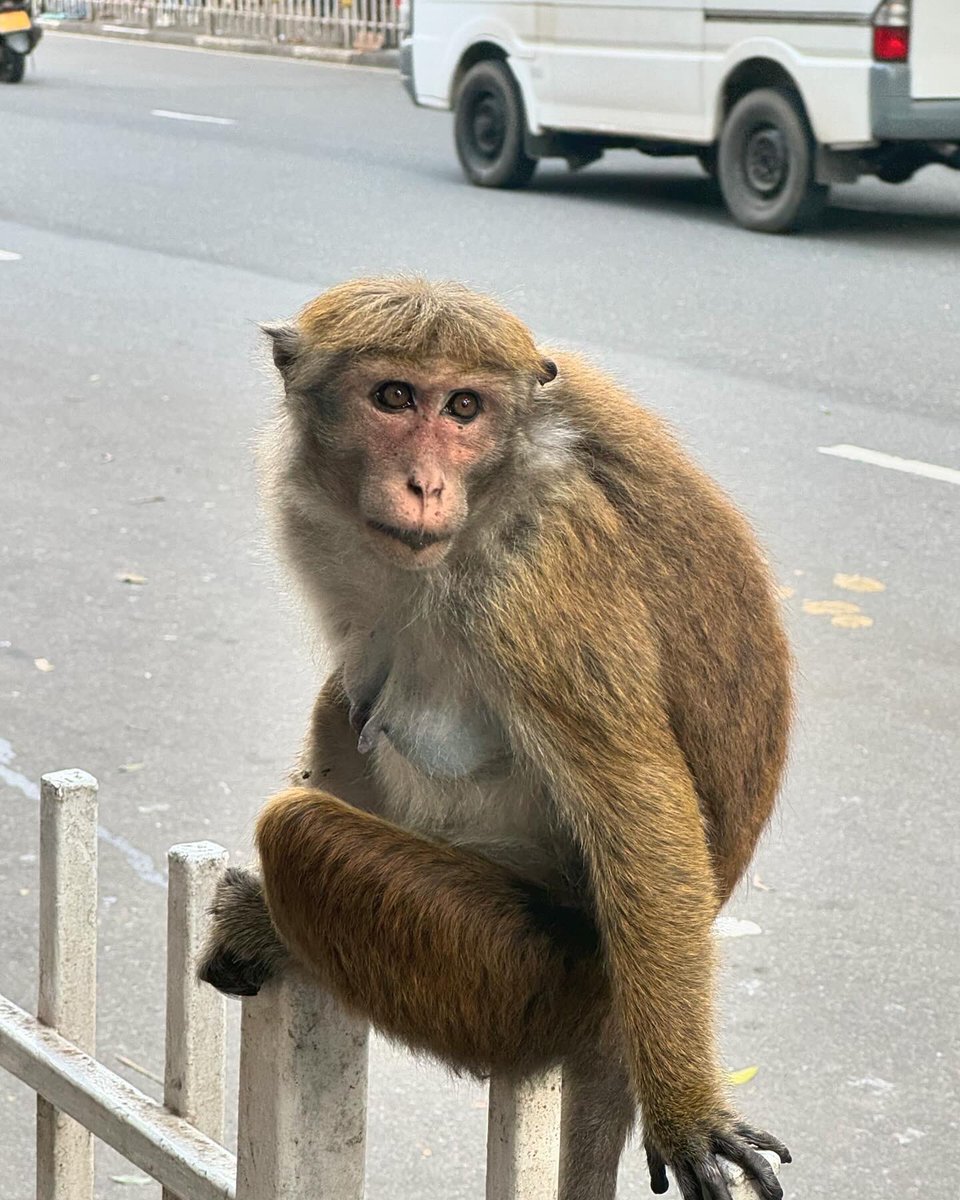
x=554, y=729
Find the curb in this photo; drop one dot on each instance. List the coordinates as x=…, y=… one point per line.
x=388, y=59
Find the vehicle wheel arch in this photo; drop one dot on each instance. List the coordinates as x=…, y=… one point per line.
x=481, y=51
x=759, y=69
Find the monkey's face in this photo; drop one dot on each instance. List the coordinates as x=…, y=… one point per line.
x=408, y=447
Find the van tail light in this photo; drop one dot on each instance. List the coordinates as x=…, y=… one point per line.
x=891, y=31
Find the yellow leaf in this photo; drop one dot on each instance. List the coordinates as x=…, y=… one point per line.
x=43, y=664
x=859, y=583
x=829, y=608
x=852, y=621
x=744, y=1076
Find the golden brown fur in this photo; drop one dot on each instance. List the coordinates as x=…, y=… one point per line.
x=599, y=622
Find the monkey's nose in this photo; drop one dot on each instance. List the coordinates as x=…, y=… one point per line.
x=426, y=485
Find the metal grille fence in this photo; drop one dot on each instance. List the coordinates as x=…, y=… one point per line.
x=363, y=25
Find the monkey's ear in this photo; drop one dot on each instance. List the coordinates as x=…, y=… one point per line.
x=547, y=372
x=286, y=345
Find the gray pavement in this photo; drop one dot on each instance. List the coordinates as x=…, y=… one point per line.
x=132, y=386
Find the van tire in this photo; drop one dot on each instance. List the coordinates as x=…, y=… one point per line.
x=766, y=164
x=490, y=126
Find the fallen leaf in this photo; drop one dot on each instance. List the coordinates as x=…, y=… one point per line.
x=852, y=621
x=131, y=577
x=859, y=583
x=147, y=499
x=132, y=1180
x=735, y=1078
x=760, y=885
x=24, y=891
x=829, y=608
x=129, y=768
x=43, y=664
x=786, y=592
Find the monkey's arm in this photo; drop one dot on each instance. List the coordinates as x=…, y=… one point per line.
x=580, y=683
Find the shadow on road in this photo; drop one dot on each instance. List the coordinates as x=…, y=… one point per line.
x=848, y=215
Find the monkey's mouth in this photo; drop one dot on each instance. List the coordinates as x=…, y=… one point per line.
x=415, y=539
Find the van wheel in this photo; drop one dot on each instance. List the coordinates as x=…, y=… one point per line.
x=489, y=128
x=766, y=164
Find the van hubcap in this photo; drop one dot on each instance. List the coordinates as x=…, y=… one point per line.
x=489, y=125
x=766, y=161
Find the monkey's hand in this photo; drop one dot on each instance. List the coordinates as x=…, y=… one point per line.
x=698, y=1173
x=242, y=950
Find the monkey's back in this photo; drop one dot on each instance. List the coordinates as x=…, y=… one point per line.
x=724, y=660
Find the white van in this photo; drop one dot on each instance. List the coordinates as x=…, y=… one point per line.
x=778, y=98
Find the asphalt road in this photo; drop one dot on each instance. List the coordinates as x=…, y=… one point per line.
x=139, y=251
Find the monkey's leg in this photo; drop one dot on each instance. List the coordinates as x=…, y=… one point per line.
x=437, y=946
x=599, y=1110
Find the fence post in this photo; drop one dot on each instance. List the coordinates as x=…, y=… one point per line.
x=194, y=1075
x=67, y=996
x=523, y=1138
x=303, y=1095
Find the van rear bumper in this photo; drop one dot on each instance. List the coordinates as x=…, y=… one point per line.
x=895, y=115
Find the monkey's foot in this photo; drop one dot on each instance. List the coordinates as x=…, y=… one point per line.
x=242, y=950
x=699, y=1174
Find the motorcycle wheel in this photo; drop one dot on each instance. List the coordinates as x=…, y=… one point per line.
x=12, y=65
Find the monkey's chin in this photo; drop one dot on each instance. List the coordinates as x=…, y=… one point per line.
x=406, y=549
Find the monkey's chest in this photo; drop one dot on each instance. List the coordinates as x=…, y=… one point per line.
x=412, y=701
x=443, y=761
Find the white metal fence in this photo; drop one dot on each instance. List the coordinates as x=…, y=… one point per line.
x=346, y=24
x=303, y=1061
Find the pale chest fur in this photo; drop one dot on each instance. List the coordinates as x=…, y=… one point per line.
x=442, y=759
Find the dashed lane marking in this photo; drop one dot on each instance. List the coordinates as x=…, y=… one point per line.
x=891, y=462
x=200, y=118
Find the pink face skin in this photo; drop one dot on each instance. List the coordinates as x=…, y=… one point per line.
x=419, y=433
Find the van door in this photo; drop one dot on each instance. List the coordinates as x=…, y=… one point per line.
x=935, y=49
x=622, y=66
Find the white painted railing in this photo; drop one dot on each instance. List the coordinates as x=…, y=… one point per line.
x=303, y=1061
x=346, y=24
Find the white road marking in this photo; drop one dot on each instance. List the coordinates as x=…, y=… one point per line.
x=182, y=116
x=9, y=256
x=141, y=863
x=892, y=463
x=735, y=927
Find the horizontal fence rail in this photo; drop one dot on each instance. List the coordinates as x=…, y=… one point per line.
x=303, y=1061
x=364, y=25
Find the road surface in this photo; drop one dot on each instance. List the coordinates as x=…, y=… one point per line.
x=140, y=250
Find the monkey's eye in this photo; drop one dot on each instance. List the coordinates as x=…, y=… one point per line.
x=463, y=405
x=393, y=396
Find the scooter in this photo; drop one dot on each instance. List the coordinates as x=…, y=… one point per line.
x=18, y=36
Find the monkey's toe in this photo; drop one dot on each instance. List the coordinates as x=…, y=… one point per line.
x=232, y=975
